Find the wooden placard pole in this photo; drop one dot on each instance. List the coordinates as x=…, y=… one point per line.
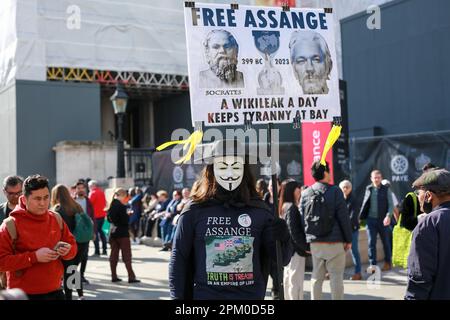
x=275, y=213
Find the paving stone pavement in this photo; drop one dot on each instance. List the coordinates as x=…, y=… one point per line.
x=151, y=267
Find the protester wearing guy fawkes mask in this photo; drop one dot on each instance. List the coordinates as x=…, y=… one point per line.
x=226, y=236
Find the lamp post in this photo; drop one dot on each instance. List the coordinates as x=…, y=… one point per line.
x=119, y=101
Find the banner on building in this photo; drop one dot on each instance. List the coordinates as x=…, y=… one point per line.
x=399, y=158
x=261, y=64
x=314, y=136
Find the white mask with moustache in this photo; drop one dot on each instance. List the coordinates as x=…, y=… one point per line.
x=229, y=171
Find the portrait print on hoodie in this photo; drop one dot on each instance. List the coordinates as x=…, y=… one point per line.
x=226, y=244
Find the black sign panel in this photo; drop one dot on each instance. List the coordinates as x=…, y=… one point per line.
x=399, y=158
x=169, y=176
x=341, y=157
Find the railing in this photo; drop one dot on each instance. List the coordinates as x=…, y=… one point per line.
x=138, y=165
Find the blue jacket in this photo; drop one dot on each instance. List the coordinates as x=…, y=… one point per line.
x=223, y=252
x=136, y=204
x=172, y=210
x=162, y=206
x=429, y=258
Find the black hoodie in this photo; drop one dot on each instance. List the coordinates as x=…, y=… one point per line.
x=222, y=250
x=118, y=216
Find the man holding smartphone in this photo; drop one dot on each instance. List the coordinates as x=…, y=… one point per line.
x=33, y=240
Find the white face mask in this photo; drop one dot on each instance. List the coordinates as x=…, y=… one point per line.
x=229, y=171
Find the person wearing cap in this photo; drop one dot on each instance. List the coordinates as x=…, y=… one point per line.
x=429, y=258
x=410, y=206
x=226, y=235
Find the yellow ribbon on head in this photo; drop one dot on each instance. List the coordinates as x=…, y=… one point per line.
x=334, y=134
x=194, y=139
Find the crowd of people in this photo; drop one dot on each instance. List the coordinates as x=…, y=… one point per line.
x=379, y=213
x=80, y=212
x=323, y=222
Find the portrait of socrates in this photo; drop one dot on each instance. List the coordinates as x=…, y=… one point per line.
x=221, y=52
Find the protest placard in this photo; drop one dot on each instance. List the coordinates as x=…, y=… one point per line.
x=261, y=64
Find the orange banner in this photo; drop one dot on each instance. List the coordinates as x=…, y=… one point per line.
x=314, y=136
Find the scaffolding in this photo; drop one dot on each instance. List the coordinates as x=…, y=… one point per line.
x=137, y=82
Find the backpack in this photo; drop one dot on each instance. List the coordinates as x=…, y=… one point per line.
x=11, y=227
x=319, y=218
x=84, y=228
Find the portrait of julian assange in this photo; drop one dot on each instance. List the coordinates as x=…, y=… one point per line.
x=221, y=53
x=311, y=61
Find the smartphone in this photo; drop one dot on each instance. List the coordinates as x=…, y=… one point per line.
x=60, y=244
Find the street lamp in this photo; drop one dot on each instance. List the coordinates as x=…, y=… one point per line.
x=119, y=101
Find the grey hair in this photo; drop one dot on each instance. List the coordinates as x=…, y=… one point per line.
x=344, y=183
x=306, y=35
x=231, y=38
x=12, y=181
x=92, y=183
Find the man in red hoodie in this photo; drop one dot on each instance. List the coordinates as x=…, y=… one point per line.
x=98, y=200
x=32, y=261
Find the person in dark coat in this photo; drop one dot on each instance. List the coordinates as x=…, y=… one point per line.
x=12, y=189
x=261, y=187
x=294, y=272
x=86, y=205
x=376, y=212
x=429, y=258
x=353, y=210
x=410, y=206
x=135, y=205
x=268, y=196
x=268, y=199
x=226, y=236
x=409, y=211
x=166, y=221
x=119, y=237
x=328, y=250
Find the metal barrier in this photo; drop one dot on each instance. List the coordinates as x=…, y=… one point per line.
x=138, y=165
